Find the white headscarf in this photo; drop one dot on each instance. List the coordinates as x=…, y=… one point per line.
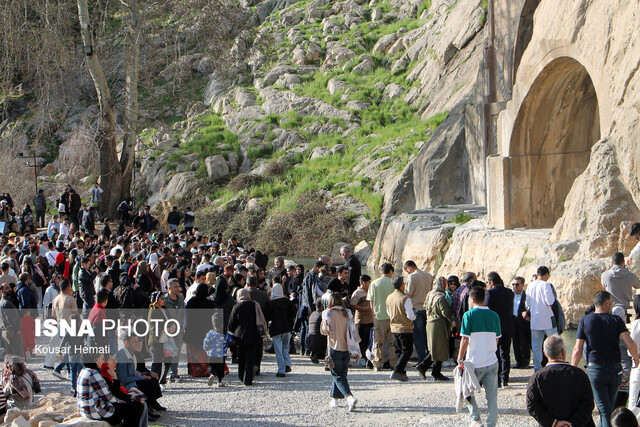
x=277, y=292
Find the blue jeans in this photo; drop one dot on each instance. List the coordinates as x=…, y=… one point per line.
x=76, y=367
x=488, y=378
x=304, y=329
x=537, y=338
x=340, y=386
x=281, y=347
x=420, y=334
x=605, y=380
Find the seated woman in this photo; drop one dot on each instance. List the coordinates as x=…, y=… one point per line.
x=19, y=384
x=108, y=372
x=96, y=402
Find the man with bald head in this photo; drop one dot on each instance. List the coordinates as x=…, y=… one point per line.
x=559, y=394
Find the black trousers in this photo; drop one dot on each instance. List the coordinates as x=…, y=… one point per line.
x=503, y=353
x=128, y=414
x=150, y=387
x=364, y=330
x=259, y=354
x=159, y=359
x=247, y=362
x=217, y=369
x=404, y=348
x=522, y=341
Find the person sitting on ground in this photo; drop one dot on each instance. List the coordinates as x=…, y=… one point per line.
x=559, y=394
x=108, y=372
x=96, y=402
x=130, y=377
x=19, y=384
x=316, y=342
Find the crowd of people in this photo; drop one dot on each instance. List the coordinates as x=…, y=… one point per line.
x=232, y=308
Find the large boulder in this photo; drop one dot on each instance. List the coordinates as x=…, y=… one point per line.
x=601, y=225
x=338, y=55
x=217, y=84
x=275, y=73
x=217, y=167
x=362, y=251
x=384, y=43
x=336, y=85
x=181, y=183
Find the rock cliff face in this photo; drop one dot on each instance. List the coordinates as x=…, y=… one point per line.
x=555, y=115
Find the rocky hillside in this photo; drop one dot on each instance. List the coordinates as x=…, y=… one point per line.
x=299, y=136
x=334, y=98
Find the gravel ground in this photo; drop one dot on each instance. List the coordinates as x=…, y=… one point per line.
x=302, y=399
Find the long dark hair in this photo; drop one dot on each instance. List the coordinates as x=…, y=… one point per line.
x=335, y=300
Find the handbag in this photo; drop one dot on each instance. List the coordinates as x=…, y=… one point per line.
x=329, y=364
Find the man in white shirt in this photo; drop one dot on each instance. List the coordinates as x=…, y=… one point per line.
x=64, y=228
x=539, y=300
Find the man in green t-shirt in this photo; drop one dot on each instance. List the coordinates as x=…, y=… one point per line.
x=377, y=295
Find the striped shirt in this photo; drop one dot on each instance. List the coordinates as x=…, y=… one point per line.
x=482, y=327
x=94, y=397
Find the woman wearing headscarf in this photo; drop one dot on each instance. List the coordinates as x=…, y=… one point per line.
x=281, y=315
x=108, y=372
x=248, y=327
x=62, y=265
x=142, y=278
x=439, y=315
x=338, y=325
x=158, y=316
x=19, y=383
x=198, y=311
x=222, y=299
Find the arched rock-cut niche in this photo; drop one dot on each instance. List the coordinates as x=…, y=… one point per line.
x=557, y=124
x=525, y=32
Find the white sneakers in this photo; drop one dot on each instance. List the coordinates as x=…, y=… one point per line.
x=212, y=379
x=352, y=401
x=221, y=384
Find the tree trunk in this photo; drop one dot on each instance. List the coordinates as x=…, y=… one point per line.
x=127, y=158
x=110, y=169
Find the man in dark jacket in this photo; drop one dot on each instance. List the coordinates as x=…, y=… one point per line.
x=27, y=299
x=40, y=206
x=354, y=267
x=10, y=324
x=85, y=287
x=173, y=219
x=281, y=316
x=500, y=300
x=560, y=394
x=522, y=327
x=75, y=203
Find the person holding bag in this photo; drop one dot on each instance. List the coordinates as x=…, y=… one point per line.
x=343, y=343
x=248, y=328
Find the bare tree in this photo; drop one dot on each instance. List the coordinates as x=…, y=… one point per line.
x=111, y=171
